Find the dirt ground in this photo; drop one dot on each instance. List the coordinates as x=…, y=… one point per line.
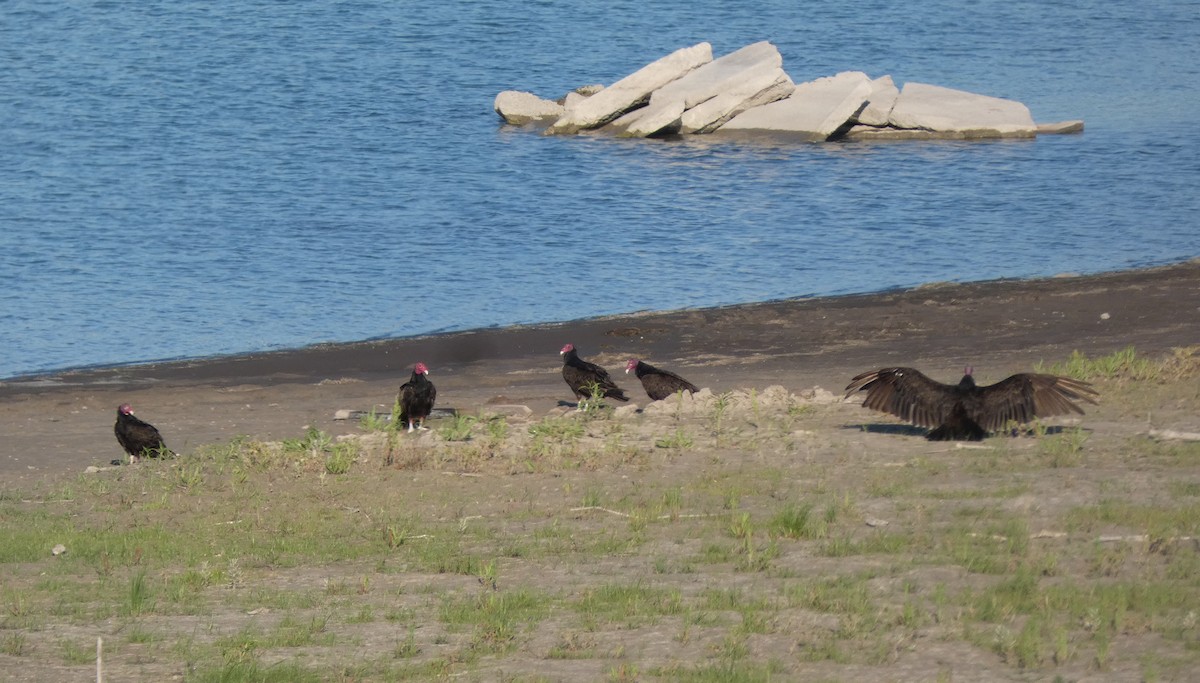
x=661, y=542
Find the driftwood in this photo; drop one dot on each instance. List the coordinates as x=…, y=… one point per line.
x=1173, y=435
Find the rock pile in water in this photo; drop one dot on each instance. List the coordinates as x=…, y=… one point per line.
x=747, y=92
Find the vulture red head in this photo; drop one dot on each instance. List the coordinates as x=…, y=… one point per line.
x=968, y=380
x=566, y=349
x=420, y=369
x=125, y=409
x=631, y=365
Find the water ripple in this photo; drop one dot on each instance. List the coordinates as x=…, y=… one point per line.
x=182, y=180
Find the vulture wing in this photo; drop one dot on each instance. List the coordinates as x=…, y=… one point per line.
x=660, y=384
x=1026, y=396
x=907, y=394
x=139, y=438
x=580, y=375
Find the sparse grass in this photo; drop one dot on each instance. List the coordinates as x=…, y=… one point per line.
x=472, y=561
x=725, y=671
x=1119, y=364
x=497, y=431
x=1064, y=449
x=1183, y=363
x=496, y=620
x=314, y=442
x=594, y=406
x=189, y=476
x=798, y=521
x=555, y=437
x=629, y=604
x=374, y=422
x=558, y=429
x=593, y=498
x=678, y=440
x=407, y=648
x=873, y=543
x=1158, y=522
x=721, y=403
x=75, y=653
x=458, y=428
x=573, y=646
x=844, y=595
x=755, y=555
x=342, y=458
x=1127, y=365
x=139, y=594
x=243, y=669
x=14, y=644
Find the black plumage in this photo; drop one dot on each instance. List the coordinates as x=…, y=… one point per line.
x=657, y=382
x=139, y=439
x=966, y=411
x=581, y=376
x=417, y=397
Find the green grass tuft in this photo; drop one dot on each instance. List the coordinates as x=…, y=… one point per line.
x=458, y=428
x=798, y=521
x=1123, y=364
x=342, y=458
x=679, y=440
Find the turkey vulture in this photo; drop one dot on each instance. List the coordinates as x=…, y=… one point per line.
x=138, y=438
x=416, y=398
x=658, y=384
x=581, y=376
x=964, y=411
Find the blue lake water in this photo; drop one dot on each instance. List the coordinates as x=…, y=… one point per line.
x=183, y=179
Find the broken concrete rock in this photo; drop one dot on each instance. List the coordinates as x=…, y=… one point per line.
x=759, y=89
x=655, y=119
x=945, y=110
x=632, y=91
x=748, y=92
x=520, y=108
x=734, y=78
x=721, y=75
x=880, y=101
x=1060, y=127
x=814, y=111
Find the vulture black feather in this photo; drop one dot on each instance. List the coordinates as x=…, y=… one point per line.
x=581, y=376
x=139, y=439
x=966, y=411
x=657, y=382
x=416, y=398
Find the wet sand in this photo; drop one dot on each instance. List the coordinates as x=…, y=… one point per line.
x=63, y=422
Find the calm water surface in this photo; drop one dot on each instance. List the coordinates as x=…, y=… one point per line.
x=181, y=179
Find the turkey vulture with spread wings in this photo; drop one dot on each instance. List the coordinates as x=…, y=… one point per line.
x=138, y=438
x=417, y=396
x=581, y=376
x=658, y=383
x=966, y=411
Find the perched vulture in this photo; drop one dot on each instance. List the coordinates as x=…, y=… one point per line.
x=658, y=384
x=582, y=375
x=416, y=398
x=138, y=438
x=964, y=411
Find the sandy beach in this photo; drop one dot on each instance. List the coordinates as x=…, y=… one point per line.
x=63, y=422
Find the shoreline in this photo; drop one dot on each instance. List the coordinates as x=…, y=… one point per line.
x=209, y=366
x=63, y=421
